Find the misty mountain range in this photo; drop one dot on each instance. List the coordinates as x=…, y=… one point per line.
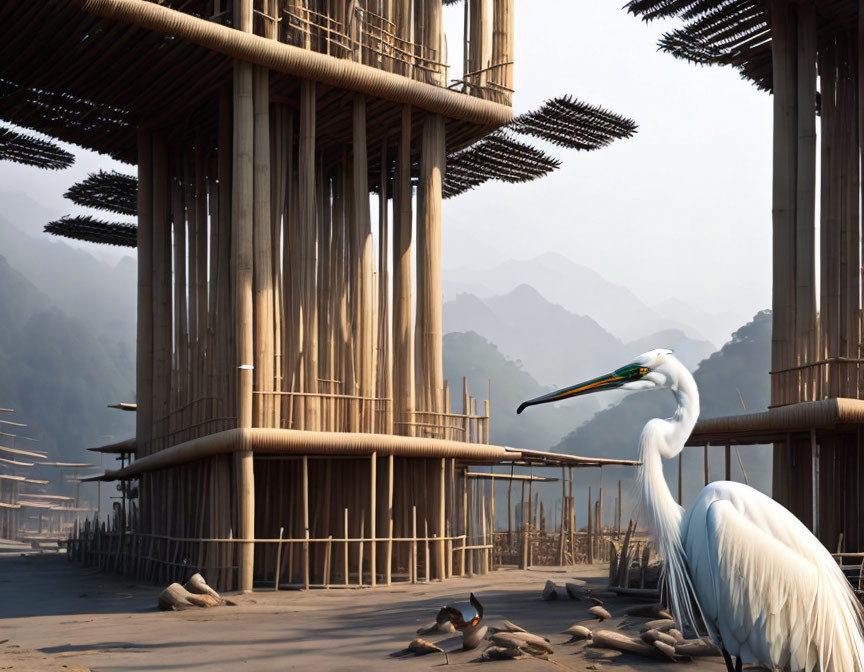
x=582, y=291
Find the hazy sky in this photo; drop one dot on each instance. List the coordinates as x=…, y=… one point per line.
x=682, y=210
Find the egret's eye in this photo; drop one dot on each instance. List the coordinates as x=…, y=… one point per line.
x=642, y=370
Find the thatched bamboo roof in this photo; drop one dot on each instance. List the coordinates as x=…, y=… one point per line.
x=718, y=32
x=32, y=151
x=110, y=191
x=496, y=157
x=568, y=122
x=84, y=227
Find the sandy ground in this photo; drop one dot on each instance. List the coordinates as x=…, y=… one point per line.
x=58, y=616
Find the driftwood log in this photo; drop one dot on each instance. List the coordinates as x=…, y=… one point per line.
x=525, y=641
x=599, y=613
x=609, y=639
x=577, y=632
x=420, y=647
x=662, y=624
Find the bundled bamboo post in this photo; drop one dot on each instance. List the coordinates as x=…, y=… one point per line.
x=403, y=338
x=563, y=507
x=524, y=521
x=306, y=173
x=430, y=375
x=263, y=244
x=364, y=338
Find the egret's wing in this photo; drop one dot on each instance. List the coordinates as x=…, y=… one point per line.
x=771, y=590
x=763, y=589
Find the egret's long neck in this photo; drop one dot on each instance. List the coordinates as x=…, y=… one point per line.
x=660, y=512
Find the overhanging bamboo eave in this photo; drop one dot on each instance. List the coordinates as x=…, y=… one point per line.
x=298, y=442
x=293, y=60
x=776, y=423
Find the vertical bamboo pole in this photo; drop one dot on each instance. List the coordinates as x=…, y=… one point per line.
x=363, y=279
x=462, y=557
x=805, y=197
x=346, y=548
x=241, y=262
x=403, y=338
x=783, y=38
x=161, y=290
x=389, y=567
x=144, y=336
x=306, y=522
x=385, y=362
x=429, y=291
x=373, y=488
x=442, y=520
x=414, y=544
x=309, y=228
x=728, y=462
x=263, y=244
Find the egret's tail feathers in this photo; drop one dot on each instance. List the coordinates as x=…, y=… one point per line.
x=836, y=627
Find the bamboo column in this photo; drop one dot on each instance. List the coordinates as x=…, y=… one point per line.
x=480, y=55
x=144, y=336
x=403, y=339
x=308, y=233
x=241, y=263
x=373, y=506
x=263, y=243
x=502, y=43
x=385, y=363
x=430, y=374
x=161, y=289
x=222, y=320
x=805, y=206
x=364, y=337
x=783, y=38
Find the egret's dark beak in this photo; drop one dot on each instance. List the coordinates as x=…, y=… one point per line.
x=608, y=382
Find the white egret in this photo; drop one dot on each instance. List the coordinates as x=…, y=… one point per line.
x=736, y=564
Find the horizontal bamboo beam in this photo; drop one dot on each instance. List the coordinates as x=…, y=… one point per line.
x=301, y=62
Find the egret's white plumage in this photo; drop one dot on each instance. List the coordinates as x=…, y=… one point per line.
x=736, y=563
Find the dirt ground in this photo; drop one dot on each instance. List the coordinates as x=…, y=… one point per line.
x=57, y=616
